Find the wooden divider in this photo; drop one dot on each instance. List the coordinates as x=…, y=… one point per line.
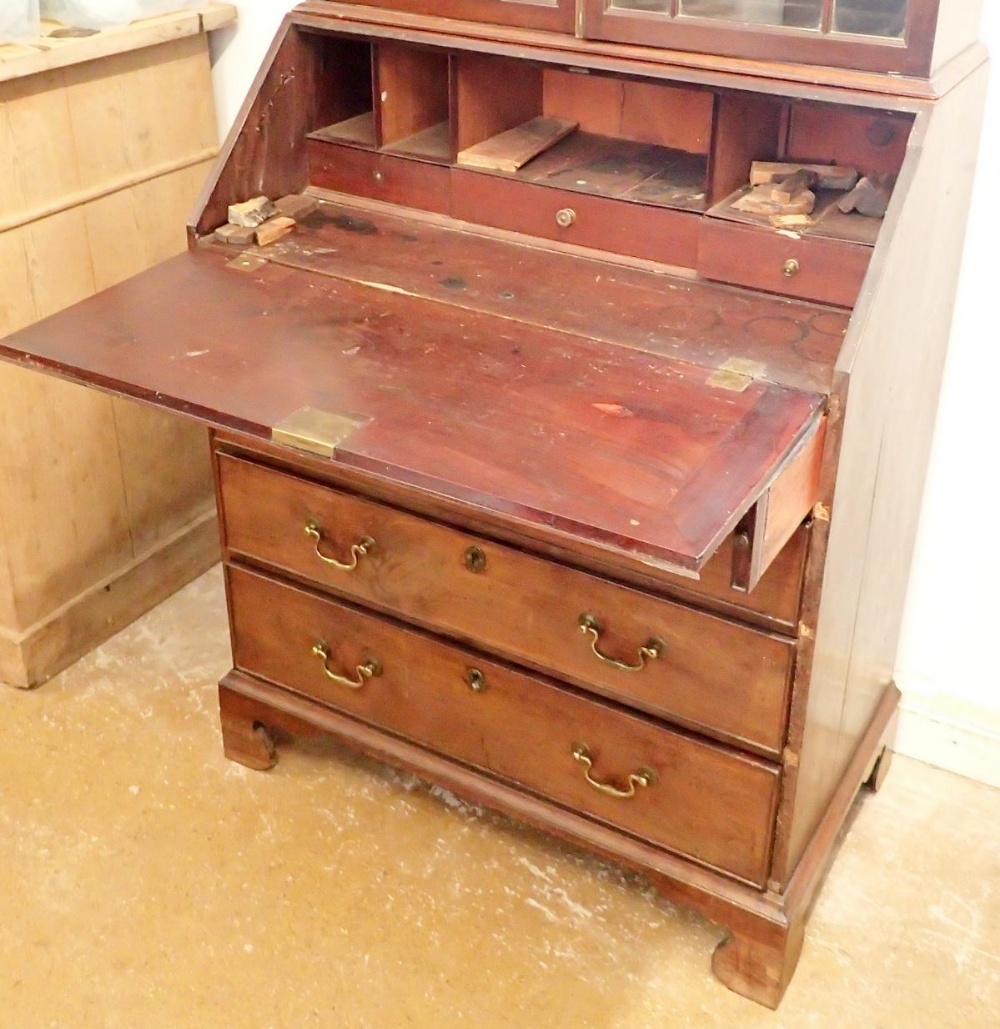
x=412, y=90
x=492, y=94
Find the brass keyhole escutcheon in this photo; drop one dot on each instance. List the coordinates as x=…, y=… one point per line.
x=476, y=680
x=790, y=268
x=565, y=217
x=475, y=559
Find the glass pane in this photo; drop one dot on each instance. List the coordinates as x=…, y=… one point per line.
x=655, y=6
x=871, y=17
x=800, y=13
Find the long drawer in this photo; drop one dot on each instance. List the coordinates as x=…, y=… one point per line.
x=667, y=659
x=689, y=796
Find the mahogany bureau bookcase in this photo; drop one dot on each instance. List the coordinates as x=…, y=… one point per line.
x=548, y=469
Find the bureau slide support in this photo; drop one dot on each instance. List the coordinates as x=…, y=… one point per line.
x=765, y=929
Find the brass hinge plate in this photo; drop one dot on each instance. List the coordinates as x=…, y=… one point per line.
x=736, y=374
x=246, y=262
x=318, y=432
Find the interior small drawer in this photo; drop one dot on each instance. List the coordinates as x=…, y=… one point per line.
x=623, y=227
x=368, y=173
x=828, y=270
x=688, y=796
x=706, y=672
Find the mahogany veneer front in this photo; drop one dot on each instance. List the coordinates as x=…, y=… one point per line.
x=714, y=675
x=366, y=173
x=827, y=270
x=423, y=693
x=653, y=233
x=772, y=604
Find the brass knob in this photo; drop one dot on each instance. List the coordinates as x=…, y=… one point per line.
x=475, y=559
x=565, y=217
x=476, y=680
x=790, y=268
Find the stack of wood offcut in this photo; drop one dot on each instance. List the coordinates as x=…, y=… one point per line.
x=263, y=221
x=784, y=191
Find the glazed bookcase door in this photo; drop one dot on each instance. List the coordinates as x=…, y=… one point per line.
x=884, y=19
x=553, y=15
x=870, y=35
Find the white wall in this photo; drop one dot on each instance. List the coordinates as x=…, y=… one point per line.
x=949, y=661
x=237, y=52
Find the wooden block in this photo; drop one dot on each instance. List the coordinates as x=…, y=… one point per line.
x=828, y=176
x=789, y=188
x=296, y=206
x=870, y=197
x=251, y=213
x=513, y=149
x=760, y=201
x=236, y=235
x=791, y=221
x=273, y=229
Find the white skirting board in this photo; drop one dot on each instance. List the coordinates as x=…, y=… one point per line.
x=951, y=734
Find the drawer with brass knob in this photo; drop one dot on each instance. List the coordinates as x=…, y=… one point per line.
x=810, y=267
x=605, y=223
x=704, y=672
x=379, y=176
x=686, y=795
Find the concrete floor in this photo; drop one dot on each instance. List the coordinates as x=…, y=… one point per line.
x=147, y=883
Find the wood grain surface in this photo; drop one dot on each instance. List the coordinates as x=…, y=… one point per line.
x=639, y=453
x=828, y=270
x=83, y=507
x=773, y=604
x=386, y=177
x=709, y=802
x=788, y=342
x=714, y=675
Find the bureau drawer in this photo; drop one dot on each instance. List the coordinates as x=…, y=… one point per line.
x=706, y=802
x=368, y=173
x=707, y=673
x=827, y=270
x=604, y=223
